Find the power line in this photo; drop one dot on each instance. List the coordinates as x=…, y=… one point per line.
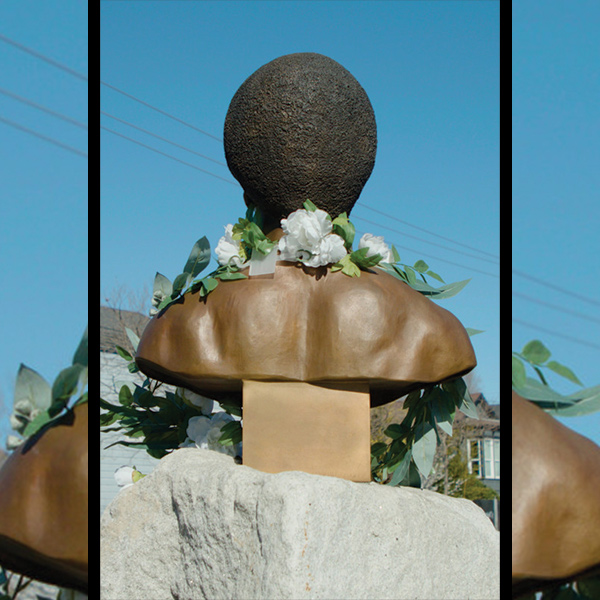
x=470, y=269
x=494, y=256
x=162, y=138
x=553, y=286
x=427, y=231
x=169, y=156
x=43, y=137
x=414, y=237
x=555, y=307
x=43, y=108
x=54, y=63
x=162, y=112
x=559, y=335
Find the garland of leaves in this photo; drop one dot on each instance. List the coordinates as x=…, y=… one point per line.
x=161, y=420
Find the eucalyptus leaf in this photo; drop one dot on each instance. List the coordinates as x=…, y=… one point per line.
x=181, y=282
x=519, y=375
x=471, y=332
x=401, y=470
x=199, y=257
x=360, y=258
x=423, y=449
x=539, y=393
x=421, y=266
x=563, y=371
x=133, y=338
x=32, y=387
x=162, y=285
x=536, y=352
x=123, y=353
x=81, y=354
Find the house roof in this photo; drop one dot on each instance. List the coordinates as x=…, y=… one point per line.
x=113, y=322
x=489, y=415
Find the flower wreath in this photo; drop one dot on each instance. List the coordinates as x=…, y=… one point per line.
x=311, y=237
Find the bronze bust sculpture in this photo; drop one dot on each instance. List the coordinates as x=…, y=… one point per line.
x=302, y=127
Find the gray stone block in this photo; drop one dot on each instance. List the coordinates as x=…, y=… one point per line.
x=201, y=526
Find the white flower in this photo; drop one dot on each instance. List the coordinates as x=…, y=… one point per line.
x=308, y=238
x=124, y=476
x=195, y=400
x=376, y=245
x=204, y=433
x=197, y=430
x=228, y=250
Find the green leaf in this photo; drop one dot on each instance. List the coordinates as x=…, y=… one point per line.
x=563, y=371
x=536, y=352
x=347, y=266
x=64, y=386
x=421, y=266
x=181, y=282
x=208, y=285
x=345, y=229
x=133, y=338
x=473, y=332
x=424, y=447
x=36, y=424
x=395, y=254
x=123, y=353
x=308, y=205
x=435, y=276
x=81, y=354
x=125, y=396
x=439, y=410
x=32, y=387
x=199, y=257
x=396, y=431
x=231, y=434
x=360, y=258
x=401, y=470
x=162, y=285
x=519, y=374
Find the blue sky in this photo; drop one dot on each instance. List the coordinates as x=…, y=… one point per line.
x=556, y=153
x=43, y=225
x=430, y=70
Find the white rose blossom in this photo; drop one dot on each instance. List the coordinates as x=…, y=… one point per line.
x=308, y=238
x=228, y=250
x=376, y=245
x=124, y=476
x=204, y=433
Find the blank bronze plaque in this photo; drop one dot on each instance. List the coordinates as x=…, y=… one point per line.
x=319, y=429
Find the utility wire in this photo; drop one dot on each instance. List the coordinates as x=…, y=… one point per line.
x=54, y=63
x=43, y=137
x=559, y=335
x=553, y=286
x=162, y=112
x=470, y=269
x=425, y=241
x=169, y=156
x=427, y=231
x=556, y=307
x=494, y=256
x=163, y=139
x=43, y=108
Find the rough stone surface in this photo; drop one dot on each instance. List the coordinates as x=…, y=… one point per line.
x=301, y=127
x=201, y=526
